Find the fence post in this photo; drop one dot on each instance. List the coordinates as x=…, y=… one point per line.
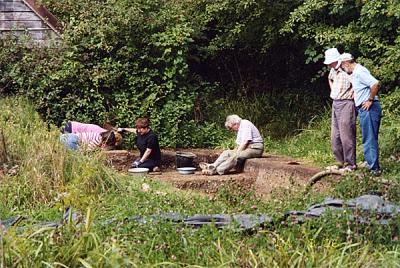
x=3, y=148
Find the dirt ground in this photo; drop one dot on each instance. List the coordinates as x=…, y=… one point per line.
x=264, y=175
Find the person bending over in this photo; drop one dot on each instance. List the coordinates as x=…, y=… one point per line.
x=78, y=127
x=88, y=140
x=85, y=135
x=147, y=143
x=249, y=145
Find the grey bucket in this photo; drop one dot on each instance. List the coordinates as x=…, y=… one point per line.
x=184, y=159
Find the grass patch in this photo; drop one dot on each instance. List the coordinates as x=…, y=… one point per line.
x=47, y=179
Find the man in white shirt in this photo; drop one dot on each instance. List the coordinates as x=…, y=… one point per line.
x=369, y=109
x=249, y=145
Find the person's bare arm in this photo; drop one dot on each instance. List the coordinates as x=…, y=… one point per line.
x=374, y=90
x=330, y=83
x=127, y=129
x=242, y=147
x=146, y=155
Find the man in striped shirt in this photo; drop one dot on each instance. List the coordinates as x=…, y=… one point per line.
x=343, y=130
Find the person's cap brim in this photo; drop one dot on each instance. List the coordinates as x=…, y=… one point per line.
x=327, y=62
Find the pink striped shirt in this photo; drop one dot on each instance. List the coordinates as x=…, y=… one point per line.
x=77, y=127
x=89, y=140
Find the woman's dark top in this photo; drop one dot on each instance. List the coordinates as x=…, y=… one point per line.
x=149, y=140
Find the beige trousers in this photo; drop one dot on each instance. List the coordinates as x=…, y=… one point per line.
x=228, y=159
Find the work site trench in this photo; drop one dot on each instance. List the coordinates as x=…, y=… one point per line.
x=264, y=175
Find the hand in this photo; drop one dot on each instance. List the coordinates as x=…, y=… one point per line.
x=366, y=105
x=136, y=163
x=120, y=129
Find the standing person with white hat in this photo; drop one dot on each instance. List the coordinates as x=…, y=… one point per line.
x=368, y=107
x=343, y=125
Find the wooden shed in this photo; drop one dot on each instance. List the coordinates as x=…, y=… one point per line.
x=26, y=17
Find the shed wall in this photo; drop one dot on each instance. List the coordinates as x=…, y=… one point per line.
x=19, y=19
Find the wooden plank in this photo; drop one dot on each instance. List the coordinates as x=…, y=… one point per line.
x=19, y=16
x=24, y=30
x=13, y=6
x=22, y=24
x=42, y=34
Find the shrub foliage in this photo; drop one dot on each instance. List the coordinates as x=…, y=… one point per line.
x=174, y=60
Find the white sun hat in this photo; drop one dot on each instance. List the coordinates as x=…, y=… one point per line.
x=331, y=55
x=345, y=57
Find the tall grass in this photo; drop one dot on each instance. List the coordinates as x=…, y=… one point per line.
x=48, y=177
x=278, y=113
x=42, y=168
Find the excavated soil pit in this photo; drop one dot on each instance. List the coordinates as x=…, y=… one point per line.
x=262, y=175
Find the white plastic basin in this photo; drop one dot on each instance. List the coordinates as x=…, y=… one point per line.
x=186, y=170
x=138, y=171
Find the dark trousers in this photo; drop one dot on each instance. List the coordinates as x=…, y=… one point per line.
x=67, y=128
x=343, y=132
x=149, y=163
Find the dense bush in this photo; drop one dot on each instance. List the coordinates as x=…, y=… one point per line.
x=124, y=59
x=118, y=61
x=175, y=61
x=367, y=29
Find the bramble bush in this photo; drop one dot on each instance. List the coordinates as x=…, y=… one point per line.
x=175, y=61
x=118, y=61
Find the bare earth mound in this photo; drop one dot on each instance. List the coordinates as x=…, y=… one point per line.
x=263, y=175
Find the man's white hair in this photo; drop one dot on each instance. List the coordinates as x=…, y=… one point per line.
x=231, y=120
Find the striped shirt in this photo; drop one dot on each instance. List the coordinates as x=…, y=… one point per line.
x=89, y=140
x=341, y=88
x=247, y=132
x=78, y=127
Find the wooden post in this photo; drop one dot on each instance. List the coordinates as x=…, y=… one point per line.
x=3, y=148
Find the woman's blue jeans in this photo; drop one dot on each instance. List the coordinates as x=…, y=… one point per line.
x=370, y=121
x=70, y=141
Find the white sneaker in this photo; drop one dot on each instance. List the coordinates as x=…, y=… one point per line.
x=203, y=165
x=334, y=167
x=363, y=165
x=156, y=169
x=349, y=168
